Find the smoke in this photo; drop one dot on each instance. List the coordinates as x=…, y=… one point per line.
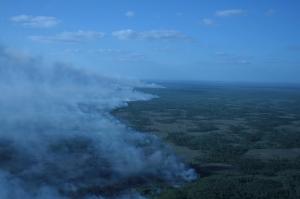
x=59, y=141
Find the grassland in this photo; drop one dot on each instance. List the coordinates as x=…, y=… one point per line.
x=243, y=140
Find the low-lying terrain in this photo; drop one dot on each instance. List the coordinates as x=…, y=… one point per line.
x=243, y=140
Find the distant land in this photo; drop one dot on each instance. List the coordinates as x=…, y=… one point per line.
x=243, y=139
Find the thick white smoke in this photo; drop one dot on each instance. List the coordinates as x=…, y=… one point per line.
x=58, y=139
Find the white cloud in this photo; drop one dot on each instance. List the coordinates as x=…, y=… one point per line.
x=270, y=12
x=125, y=34
x=243, y=61
x=229, y=58
x=129, y=14
x=162, y=35
x=294, y=47
x=120, y=55
x=221, y=53
x=235, y=62
x=108, y=51
x=70, y=37
x=129, y=34
x=208, y=22
x=179, y=14
x=132, y=57
x=72, y=51
x=230, y=12
x=35, y=21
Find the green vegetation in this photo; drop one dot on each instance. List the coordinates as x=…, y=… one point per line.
x=254, y=131
x=237, y=187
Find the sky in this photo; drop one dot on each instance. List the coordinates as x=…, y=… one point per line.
x=229, y=40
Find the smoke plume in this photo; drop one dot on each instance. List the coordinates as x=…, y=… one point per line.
x=59, y=141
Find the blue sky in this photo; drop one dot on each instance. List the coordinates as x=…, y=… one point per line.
x=254, y=40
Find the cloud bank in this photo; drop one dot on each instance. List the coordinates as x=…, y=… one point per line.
x=35, y=21
x=208, y=22
x=58, y=139
x=70, y=37
x=230, y=12
x=129, y=14
x=152, y=35
x=270, y=12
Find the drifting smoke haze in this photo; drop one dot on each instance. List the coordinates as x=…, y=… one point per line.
x=58, y=139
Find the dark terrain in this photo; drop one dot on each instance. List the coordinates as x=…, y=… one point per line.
x=243, y=140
